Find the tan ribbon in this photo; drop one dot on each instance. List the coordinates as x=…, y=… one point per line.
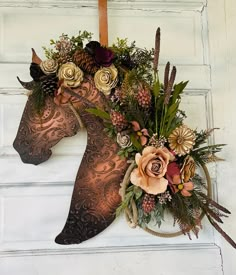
x=103, y=24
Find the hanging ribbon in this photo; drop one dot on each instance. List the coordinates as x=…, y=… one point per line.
x=103, y=25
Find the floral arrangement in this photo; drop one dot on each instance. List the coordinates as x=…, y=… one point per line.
x=142, y=114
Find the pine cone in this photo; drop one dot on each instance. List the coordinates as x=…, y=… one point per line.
x=118, y=120
x=144, y=98
x=49, y=85
x=85, y=61
x=148, y=203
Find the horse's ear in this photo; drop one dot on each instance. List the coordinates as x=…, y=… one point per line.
x=35, y=58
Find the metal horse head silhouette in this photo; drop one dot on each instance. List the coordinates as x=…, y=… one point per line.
x=95, y=196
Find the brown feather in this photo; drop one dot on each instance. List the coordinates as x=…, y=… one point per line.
x=35, y=58
x=213, y=203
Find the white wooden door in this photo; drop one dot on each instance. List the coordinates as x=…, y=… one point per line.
x=197, y=37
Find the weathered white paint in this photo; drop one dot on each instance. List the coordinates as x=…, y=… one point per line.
x=222, y=48
x=34, y=200
x=131, y=261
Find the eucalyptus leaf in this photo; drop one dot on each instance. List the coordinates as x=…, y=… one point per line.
x=137, y=192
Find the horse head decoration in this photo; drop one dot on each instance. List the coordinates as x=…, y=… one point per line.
x=116, y=94
x=96, y=191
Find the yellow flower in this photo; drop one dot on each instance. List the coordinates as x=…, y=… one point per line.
x=70, y=74
x=105, y=79
x=49, y=66
x=181, y=140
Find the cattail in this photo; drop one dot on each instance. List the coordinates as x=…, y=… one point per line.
x=170, y=85
x=157, y=50
x=166, y=76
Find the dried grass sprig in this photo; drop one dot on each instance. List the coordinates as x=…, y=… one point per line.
x=213, y=203
x=221, y=231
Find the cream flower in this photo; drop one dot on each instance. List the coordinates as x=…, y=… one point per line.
x=49, y=66
x=105, y=79
x=123, y=140
x=152, y=166
x=71, y=74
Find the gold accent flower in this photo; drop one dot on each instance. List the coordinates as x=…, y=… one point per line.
x=181, y=140
x=49, y=66
x=188, y=169
x=71, y=74
x=105, y=79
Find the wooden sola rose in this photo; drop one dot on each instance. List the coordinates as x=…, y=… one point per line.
x=140, y=158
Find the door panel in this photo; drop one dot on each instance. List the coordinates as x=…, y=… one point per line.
x=34, y=200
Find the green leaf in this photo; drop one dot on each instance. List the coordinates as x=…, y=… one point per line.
x=156, y=88
x=125, y=203
x=178, y=89
x=99, y=113
x=172, y=109
x=135, y=142
x=138, y=192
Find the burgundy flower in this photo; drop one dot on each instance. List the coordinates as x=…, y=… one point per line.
x=173, y=169
x=92, y=46
x=103, y=56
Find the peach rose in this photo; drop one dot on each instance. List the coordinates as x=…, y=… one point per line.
x=152, y=167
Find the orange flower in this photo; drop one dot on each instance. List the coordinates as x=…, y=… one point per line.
x=184, y=188
x=141, y=134
x=152, y=167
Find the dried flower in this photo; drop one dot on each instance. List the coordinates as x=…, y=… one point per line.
x=49, y=66
x=105, y=79
x=157, y=142
x=123, y=140
x=152, y=166
x=118, y=120
x=181, y=140
x=144, y=98
x=148, y=203
x=183, y=187
x=164, y=197
x=64, y=45
x=188, y=169
x=103, y=56
x=92, y=46
x=141, y=134
x=71, y=74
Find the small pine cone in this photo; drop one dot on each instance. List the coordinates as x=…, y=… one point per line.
x=118, y=120
x=148, y=203
x=49, y=85
x=144, y=98
x=63, y=59
x=85, y=61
